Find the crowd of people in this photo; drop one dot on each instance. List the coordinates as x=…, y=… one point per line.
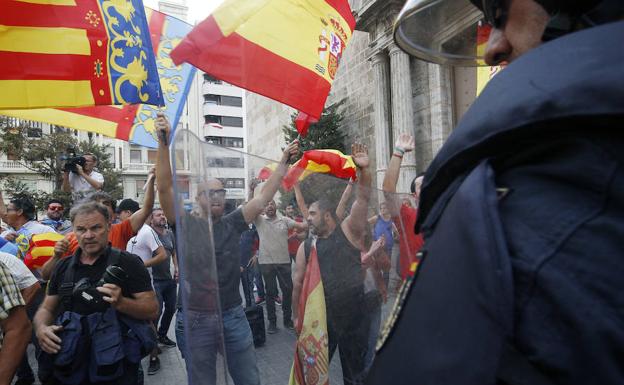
x=531, y=274
x=120, y=261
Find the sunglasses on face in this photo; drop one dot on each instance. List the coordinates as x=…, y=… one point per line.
x=55, y=208
x=214, y=193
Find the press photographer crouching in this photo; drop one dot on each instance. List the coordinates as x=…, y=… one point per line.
x=92, y=325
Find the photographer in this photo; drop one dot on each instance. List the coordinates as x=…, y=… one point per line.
x=82, y=179
x=97, y=286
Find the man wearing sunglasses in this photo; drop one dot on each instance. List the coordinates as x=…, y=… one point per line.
x=198, y=278
x=521, y=274
x=54, y=217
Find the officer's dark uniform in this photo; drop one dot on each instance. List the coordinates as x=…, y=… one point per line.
x=523, y=216
x=96, y=333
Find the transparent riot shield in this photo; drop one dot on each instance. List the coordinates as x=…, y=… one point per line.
x=287, y=275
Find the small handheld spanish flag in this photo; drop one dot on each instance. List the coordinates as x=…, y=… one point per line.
x=331, y=162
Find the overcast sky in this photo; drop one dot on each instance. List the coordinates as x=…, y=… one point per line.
x=198, y=9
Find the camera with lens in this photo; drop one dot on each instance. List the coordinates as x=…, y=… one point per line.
x=71, y=160
x=86, y=292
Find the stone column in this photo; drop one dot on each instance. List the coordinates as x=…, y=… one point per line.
x=402, y=111
x=441, y=99
x=382, y=114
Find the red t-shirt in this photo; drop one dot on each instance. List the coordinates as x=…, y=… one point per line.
x=409, y=242
x=293, y=241
x=119, y=235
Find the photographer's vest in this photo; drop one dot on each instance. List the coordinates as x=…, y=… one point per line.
x=95, y=346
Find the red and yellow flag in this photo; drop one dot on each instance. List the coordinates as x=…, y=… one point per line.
x=74, y=53
x=311, y=363
x=134, y=123
x=41, y=249
x=287, y=50
x=320, y=161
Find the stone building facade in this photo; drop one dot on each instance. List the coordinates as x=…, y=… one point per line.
x=386, y=92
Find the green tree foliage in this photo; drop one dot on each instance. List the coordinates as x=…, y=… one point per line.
x=327, y=133
x=45, y=155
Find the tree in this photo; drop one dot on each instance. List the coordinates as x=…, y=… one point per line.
x=327, y=133
x=45, y=154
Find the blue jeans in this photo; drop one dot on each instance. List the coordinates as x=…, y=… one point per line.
x=205, y=340
x=179, y=333
x=165, y=292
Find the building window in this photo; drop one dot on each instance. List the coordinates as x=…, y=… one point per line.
x=34, y=132
x=212, y=119
x=232, y=121
x=233, y=142
x=139, y=187
x=151, y=156
x=135, y=156
x=212, y=99
x=211, y=80
x=229, y=162
x=233, y=101
x=234, y=183
x=216, y=140
x=225, y=141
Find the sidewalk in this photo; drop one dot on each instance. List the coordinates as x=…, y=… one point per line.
x=274, y=358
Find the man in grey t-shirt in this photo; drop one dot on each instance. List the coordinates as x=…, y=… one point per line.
x=274, y=261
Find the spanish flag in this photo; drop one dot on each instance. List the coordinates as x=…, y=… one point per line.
x=320, y=161
x=311, y=363
x=266, y=171
x=287, y=50
x=41, y=249
x=74, y=53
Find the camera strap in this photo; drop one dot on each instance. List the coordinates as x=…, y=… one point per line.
x=67, y=285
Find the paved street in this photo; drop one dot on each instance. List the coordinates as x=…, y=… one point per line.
x=274, y=358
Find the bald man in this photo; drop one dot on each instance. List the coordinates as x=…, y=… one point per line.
x=199, y=284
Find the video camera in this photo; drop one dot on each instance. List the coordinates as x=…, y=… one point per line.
x=71, y=160
x=86, y=292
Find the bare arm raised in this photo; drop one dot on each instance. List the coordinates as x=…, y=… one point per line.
x=355, y=224
x=405, y=143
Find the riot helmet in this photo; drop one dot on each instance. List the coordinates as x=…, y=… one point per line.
x=455, y=32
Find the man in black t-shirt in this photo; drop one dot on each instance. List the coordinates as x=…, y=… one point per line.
x=201, y=284
x=135, y=297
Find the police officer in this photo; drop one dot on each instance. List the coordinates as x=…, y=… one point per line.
x=84, y=344
x=521, y=275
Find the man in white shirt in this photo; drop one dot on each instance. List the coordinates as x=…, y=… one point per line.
x=24, y=278
x=150, y=249
x=84, y=180
x=274, y=261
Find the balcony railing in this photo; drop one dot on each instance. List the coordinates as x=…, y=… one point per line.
x=12, y=165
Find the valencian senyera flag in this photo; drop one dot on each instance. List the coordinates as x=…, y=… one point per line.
x=41, y=249
x=331, y=162
x=134, y=123
x=72, y=53
x=311, y=363
x=484, y=73
x=287, y=50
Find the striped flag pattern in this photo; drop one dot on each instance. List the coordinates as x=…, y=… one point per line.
x=41, y=249
x=134, y=123
x=311, y=362
x=331, y=162
x=73, y=53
